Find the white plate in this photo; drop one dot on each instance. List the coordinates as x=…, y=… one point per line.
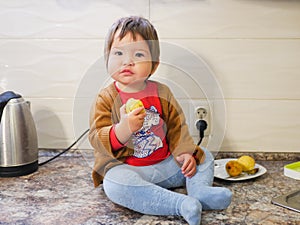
x=220, y=171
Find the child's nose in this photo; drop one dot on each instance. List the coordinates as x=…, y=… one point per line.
x=128, y=61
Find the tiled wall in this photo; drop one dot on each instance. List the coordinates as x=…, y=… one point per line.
x=48, y=49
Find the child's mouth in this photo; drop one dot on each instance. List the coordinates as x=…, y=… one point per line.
x=127, y=71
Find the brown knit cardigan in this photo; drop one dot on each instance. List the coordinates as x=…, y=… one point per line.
x=105, y=112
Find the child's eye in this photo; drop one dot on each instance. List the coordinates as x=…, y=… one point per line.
x=139, y=54
x=118, y=53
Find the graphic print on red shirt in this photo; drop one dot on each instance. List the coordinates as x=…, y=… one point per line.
x=145, y=141
x=150, y=145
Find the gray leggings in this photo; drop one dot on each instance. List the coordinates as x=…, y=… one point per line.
x=145, y=189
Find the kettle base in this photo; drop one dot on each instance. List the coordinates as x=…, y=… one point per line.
x=15, y=171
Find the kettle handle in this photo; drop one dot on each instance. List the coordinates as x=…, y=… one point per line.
x=4, y=98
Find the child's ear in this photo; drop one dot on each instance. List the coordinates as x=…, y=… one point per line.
x=154, y=67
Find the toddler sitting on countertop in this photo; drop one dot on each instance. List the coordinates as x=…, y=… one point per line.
x=141, y=154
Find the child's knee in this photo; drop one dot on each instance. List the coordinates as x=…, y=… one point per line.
x=118, y=187
x=208, y=155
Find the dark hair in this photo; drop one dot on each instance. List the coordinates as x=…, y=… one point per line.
x=134, y=25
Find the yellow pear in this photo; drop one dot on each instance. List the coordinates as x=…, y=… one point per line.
x=233, y=168
x=132, y=104
x=247, y=162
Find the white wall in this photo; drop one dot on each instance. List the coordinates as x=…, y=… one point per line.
x=47, y=48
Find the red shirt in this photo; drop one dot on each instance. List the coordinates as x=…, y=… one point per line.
x=150, y=144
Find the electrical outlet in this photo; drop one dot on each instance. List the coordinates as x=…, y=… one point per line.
x=201, y=111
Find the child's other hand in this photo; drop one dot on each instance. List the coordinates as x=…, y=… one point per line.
x=189, y=166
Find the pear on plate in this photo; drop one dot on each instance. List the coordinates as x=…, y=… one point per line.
x=233, y=168
x=247, y=162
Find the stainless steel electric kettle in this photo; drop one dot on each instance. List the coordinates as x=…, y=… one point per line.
x=18, y=137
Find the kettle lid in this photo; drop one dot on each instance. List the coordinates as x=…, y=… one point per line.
x=4, y=98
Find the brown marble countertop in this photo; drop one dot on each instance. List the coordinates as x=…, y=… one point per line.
x=62, y=192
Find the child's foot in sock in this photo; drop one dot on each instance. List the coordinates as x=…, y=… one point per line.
x=191, y=210
x=213, y=197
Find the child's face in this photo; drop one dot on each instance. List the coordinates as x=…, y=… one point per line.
x=129, y=61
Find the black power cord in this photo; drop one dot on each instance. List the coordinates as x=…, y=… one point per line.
x=201, y=126
x=67, y=149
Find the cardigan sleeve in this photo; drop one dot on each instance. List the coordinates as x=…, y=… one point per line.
x=103, y=115
x=177, y=132
x=115, y=143
x=100, y=124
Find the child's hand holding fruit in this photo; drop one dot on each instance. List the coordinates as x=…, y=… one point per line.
x=132, y=118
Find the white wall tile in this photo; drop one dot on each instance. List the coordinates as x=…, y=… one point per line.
x=259, y=69
x=63, y=18
x=262, y=126
x=46, y=68
x=53, y=120
x=226, y=19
